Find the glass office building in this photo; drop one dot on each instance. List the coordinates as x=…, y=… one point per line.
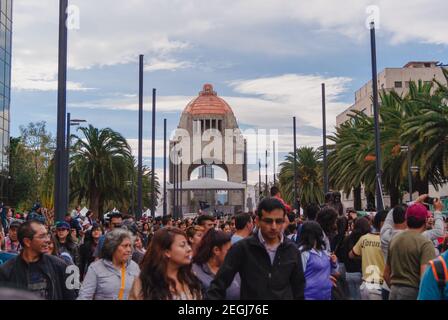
x=5, y=92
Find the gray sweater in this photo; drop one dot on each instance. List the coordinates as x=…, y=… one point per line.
x=103, y=281
x=388, y=231
x=205, y=275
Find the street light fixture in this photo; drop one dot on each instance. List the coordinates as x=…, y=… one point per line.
x=70, y=123
x=408, y=150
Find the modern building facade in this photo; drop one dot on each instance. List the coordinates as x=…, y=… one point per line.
x=5, y=92
x=393, y=79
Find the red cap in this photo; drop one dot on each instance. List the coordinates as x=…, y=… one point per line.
x=417, y=211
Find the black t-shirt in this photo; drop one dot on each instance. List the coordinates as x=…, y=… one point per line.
x=37, y=281
x=351, y=265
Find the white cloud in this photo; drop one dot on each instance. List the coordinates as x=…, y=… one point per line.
x=147, y=147
x=171, y=65
x=130, y=103
x=39, y=77
x=279, y=98
x=269, y=102
x=115, y=32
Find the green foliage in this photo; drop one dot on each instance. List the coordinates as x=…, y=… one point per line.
x=418, y=120
x=30, y=156
x=102, y=169
x=309, y=176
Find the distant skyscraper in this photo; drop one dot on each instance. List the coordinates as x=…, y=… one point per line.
x=5, y=92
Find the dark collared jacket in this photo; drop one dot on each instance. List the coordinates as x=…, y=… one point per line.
x=14, y=273
x=261, y=280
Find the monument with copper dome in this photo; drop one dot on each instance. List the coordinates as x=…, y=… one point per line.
x=207, y=137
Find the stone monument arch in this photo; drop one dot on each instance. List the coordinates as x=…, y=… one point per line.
x=206, y=137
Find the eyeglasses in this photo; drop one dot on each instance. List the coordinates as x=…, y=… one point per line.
x=271, y=221
x=42, y=236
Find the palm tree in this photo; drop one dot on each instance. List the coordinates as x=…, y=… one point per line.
x=419, y=120
x=426, y=129
x=101, y=164
x=309, y=176
x=130, y=193
x=350, y=160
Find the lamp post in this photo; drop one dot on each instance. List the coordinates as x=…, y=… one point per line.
x=60, y=197
x=324, y=140
x=153, y=155
x=70, y=122
x=266, y=191
x=164, y=168
x=273, y=156
x=295, y=161
x=379, y=193
x=138, y=214
x=259, y=180
x=409, y=158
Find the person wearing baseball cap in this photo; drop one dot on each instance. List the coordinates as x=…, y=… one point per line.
x=64, y=242
x=408, y=255
x=12, y=243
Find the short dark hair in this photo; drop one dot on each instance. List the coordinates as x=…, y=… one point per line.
x=268, y=205
x=241, y=220
x=166, y=219
x=399, y=214
x=115, y=215
x=327, y=217
x=26, y=230
x=274, y=191
x=203, y=218
x=311, y=211
x=415, y=223
x=311, y=236
x=380, y=216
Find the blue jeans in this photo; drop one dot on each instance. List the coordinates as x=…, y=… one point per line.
x=354, y=281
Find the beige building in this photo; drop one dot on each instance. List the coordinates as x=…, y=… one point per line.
x=393, y=79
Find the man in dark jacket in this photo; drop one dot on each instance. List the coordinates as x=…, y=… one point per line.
x=44, y=275
x=269, y=264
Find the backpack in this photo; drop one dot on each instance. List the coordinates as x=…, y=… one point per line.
x=440, y=273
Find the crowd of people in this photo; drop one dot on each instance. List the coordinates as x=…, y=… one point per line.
x=276, y=252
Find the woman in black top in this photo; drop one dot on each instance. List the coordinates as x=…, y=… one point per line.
x=87, y=249
x=353, y=266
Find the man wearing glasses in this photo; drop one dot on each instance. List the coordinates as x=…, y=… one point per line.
x=32, y=270
x=269, y=264
x=116, y=221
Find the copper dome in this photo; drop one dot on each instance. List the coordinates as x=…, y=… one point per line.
x=208, y=102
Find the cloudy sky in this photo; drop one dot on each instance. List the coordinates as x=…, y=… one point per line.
x=266, y=58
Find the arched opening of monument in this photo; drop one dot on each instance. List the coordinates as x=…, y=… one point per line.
x=209, y=171
x=206, y=199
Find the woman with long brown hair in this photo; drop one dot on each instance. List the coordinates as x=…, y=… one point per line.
x=166, y=269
